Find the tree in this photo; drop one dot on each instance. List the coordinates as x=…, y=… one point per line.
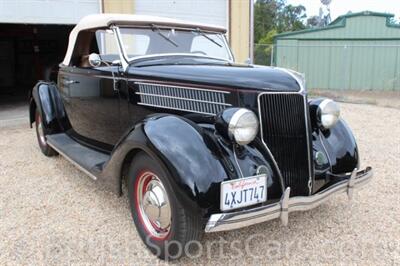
x=277, y=15
x=263, y=49
x=313, y=21
x=291, y=18
x=265, y=15
x=270, y=18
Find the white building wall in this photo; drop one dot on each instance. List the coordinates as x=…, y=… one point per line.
x=205, y=11
x=46, y=11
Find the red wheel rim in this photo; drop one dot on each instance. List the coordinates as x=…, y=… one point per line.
x=40, y=129
x=152, y=205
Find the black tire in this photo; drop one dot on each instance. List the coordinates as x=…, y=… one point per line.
x=185, y=226
x=41, y=133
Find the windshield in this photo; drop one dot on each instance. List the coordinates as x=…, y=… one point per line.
x=150, y=41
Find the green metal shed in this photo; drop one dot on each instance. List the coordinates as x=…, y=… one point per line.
x=359, y=51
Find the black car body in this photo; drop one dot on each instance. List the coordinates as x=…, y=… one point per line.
x=177, y=109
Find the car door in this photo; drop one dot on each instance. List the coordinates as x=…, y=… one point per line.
x=92, y=102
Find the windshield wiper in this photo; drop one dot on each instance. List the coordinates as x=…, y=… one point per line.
x=157, y=29
x=198, y=31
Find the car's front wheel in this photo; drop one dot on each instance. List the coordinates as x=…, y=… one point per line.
x=41, y=136
x=164, y=225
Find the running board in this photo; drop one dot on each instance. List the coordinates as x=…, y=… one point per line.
x=87, y=160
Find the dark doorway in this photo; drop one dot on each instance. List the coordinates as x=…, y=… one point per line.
x=29, y=53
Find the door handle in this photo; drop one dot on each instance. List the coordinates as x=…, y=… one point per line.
x=116, y=85
x=70, y=82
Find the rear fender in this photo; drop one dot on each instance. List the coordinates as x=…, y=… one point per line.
x=47, y=100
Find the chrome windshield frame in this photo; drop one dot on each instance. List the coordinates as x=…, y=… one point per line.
x=122, y=53
x=125, y=60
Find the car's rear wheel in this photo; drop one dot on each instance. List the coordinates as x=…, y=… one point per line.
x=42, y=136
x=164, y=225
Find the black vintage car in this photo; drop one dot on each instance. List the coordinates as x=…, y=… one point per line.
x=203, y=144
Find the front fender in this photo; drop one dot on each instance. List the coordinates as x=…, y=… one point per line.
x=190, y=156
x=341, y=147
x=180, y=148
x=341, y=154
x=194, y=156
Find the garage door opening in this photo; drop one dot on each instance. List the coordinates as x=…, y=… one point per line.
x=29, y=53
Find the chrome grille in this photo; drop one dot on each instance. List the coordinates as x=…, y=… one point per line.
x=188, y=99
x=284, y=129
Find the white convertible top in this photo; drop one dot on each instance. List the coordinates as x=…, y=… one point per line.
x=105, y=20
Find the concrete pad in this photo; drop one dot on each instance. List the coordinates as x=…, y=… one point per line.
x=14, y=113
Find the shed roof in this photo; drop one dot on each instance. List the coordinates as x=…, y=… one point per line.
x=385, y=28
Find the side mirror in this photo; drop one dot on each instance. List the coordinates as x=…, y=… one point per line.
x=95, y=60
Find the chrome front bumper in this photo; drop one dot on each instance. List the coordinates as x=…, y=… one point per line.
x=281, y=209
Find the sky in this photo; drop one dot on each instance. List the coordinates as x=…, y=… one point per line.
x=341, y=7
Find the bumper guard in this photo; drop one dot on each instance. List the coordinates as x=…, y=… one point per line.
x=234, y=220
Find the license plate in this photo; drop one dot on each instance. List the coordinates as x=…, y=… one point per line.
x=243, y=192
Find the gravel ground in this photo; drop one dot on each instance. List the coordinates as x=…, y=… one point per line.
x=51, y=213
x=381, y=98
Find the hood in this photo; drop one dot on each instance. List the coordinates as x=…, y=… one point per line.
x=236, y=76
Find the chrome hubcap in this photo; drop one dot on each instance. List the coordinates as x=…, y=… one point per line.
x=154, y=207
x=42, y=137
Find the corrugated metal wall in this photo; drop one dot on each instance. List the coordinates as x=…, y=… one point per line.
x=357, y=52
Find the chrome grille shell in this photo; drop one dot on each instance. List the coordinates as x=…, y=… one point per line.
x=284, y=131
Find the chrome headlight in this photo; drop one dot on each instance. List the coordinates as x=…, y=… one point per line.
x=328, y=113
x=238, y=124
